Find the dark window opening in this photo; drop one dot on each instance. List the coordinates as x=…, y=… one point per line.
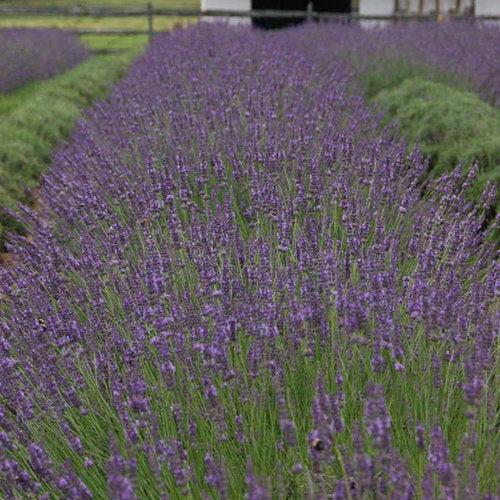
x=338, y=6
x=277, y=22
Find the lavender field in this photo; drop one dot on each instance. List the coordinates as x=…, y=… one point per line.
x=31, y=54
x=461, y=54
x=241, y=285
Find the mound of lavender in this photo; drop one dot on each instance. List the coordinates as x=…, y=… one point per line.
x=31, y=54
x=457, y=53
x=236, y=290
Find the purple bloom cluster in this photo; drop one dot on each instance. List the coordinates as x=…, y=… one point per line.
x=31, y=54
x=236, y=288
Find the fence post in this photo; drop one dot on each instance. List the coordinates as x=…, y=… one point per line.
x=150, y=21
x=309, y=11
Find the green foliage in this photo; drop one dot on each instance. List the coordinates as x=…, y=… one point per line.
x=166, y=4
x=114, y=42
x=384, y=74
x=451, y=125
x=36, y=118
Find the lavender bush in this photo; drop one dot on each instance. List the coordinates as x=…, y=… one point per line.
x=236, y=290
x=31, y=54
x=457, y=53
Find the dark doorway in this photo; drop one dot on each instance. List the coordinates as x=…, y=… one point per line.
x=277, y=22
x=340, y=6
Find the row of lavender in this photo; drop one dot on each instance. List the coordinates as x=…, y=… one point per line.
x=457, y=53
x=31, y=54
x=242, y=292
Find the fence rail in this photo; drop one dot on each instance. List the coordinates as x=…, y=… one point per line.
x=81, y=11
x=150, y=12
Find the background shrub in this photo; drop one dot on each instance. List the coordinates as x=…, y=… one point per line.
x=452, y=126
x=30, y=54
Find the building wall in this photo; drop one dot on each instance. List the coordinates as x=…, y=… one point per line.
x=236, y=5
x=373, y=7
x=488, y=7
x=319, y=5
x=445, y=6
x=225, y=4
x=386, y=7
x=482, y=7
x=376, y=7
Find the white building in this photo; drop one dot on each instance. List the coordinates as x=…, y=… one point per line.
x=234, y=5
x=488, y=7
x=319, y=5
x=382, y=7
x=442, y=7
x=225, y=5
x=369, y=7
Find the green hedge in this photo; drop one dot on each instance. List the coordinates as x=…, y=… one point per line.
x=385, y=74
x=452, y=126
x=36, y=119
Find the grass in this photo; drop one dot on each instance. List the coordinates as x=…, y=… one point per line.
x=110, y=42
x=11, y=101
x=114, y=42
x=37, y=117
x=451, y=125
x=162, y=23
x=104, y=42
x=166, y=4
